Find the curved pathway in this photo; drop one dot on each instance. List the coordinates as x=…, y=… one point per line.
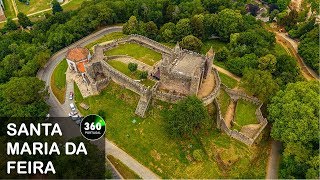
x=228, y=73
x=274, y=160
x=57, y=110
x=292, y=47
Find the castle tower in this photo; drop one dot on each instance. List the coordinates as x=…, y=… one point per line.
x=177, y=49
x=209, y=61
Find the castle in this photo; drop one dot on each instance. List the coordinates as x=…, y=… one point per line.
x=178, y=74
x=183, y=71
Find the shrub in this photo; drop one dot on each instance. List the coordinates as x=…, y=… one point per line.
x=197, y=155
x=143, y=75
x=132, y=67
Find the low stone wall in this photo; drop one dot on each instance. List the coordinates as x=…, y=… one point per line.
x=235, y=95
x=209, y=99
x=144, y=41
x=123, y=79
x=101, y=84
x=164, y=96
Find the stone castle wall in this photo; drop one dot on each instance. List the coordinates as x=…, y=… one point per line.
x=209, y=99
x=164, y=96
x=146, y=93
x=124, y=80
x=236, y=95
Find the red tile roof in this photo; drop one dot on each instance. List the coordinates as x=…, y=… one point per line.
x=81, y=67
x=77, y=54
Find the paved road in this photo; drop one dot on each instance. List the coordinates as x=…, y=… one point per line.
x=57, y=110
x=292, y=46
x=273, y=161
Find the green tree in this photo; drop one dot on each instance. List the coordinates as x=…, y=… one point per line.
x=23, y=97
x=239, y=64
x=260, y=83
x=56, y=7
x=23, y=20
x=222, y=54
x=294, y=112
x=191, y=43
x=309, y=49
x=10, y=25
x=132, y=67
x=132, y=26
x=197, y=26
x=183, y=29
x=167, y=32
x=143, y=75
x=273, y=14
x=229, y=21
x=151, y=30
x=268, y=63
x=287, y=70
x=185, y=117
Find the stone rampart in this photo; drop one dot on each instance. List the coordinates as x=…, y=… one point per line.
x=235, y=95
x=209, y=99
x=124, y=80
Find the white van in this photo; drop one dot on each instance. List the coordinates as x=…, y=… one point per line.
x=73, y=107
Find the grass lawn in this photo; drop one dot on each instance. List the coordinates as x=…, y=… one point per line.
x=9, y=10
x=224, y=100
x=123, y=67
x=215, y=43
x=73, y=4
x=58, y=81
x=77, y=94
x=34, y=6
x=228, y=81
x=136, y=51
x=147, y=141
x=124, y=170
x=245, y=114
x=108, y=37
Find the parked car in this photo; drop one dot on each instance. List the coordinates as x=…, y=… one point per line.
x=73, y=107
x=75, y=117
x=78, y=122
x=72, y=113
x=71, y=95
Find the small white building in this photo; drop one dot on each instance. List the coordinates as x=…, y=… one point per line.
x=77, y=59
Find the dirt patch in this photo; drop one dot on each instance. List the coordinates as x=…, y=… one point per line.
x=230, y=113
x=207, y=86
x=250, y=130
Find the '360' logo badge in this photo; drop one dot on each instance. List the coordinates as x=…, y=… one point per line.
x=92, y=127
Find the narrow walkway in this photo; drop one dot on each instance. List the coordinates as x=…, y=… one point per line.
x=230, y=113
x=207, y=86
x=15, y=7
x=291, y=47
x=274, y=160
x=228, y=73
x=138, y=168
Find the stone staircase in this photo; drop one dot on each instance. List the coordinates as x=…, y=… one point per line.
x=143, y=105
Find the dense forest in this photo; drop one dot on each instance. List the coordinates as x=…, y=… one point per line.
x=250, y=53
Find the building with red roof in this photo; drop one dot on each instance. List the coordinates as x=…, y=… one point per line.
x=77, y=59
